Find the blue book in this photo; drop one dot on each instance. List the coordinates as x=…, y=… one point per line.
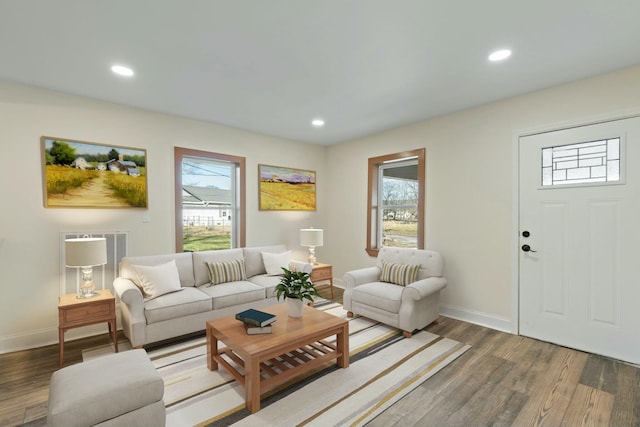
x=256, y=317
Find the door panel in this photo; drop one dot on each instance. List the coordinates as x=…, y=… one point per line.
x=580, y=280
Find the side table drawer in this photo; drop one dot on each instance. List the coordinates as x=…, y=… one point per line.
x=87, y=312
x=322, y=274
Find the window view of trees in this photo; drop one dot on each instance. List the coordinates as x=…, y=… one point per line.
x=399, y=204
x=395, y=205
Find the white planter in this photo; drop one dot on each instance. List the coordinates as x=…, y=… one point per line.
x=294, y=307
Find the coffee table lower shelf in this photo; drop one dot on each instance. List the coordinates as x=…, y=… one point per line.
x=282, y=368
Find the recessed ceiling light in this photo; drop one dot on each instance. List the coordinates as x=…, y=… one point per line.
x=317, y=122
x=122, y=70
x=499, y=55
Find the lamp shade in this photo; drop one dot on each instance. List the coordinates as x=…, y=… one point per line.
x=311, y=237
x=84, y=252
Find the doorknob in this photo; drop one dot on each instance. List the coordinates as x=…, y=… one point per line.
x=527, y=248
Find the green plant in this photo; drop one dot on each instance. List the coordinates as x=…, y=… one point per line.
x=296, y=284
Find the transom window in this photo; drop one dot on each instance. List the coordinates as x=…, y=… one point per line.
x=582, y=163
x=396, y=201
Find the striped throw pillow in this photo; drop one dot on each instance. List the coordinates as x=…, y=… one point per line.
x=399, y=274
x=229, y=271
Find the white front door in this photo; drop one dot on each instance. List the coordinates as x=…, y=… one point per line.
x=579, y=261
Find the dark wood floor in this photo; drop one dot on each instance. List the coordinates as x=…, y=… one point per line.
x=503, y=380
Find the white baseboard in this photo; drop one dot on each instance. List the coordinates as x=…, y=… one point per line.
x=478, y=318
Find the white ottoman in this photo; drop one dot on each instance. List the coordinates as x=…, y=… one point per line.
x=123, y=389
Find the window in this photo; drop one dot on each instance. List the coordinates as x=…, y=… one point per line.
x=210, y=200
x=582, y=163
x=395, y=206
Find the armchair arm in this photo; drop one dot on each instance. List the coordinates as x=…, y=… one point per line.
x=358, y=277
x=423, y=288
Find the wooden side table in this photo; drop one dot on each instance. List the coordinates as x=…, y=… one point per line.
x=322, y=272
x=75, y=312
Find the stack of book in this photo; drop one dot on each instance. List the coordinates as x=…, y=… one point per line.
x=256, y=321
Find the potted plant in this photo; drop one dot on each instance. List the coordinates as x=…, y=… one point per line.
x=295, y=287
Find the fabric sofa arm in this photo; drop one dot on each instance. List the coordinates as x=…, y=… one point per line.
x=358, y=277
x=129, y=294
x=134, y=323
x=305, y=267
x=423, y=288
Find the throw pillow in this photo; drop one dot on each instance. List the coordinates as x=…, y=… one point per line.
x=399, y=274
x=273, y=263
x=158, y=280
x=229, y=271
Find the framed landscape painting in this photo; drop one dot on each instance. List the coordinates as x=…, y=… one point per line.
x=79, y=174
x=286, y=189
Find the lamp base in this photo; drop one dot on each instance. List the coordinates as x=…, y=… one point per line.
x=87, y=290
x=312, y=255
x=87, y=295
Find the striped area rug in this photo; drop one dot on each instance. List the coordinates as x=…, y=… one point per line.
x=384, y=366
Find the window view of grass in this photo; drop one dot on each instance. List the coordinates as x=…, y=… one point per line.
x=201, y=238
x=399, y=233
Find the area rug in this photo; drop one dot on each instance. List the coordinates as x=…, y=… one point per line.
x=384, y=367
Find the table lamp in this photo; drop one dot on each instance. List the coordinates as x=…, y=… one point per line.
x=311, y=237
x=86, y=252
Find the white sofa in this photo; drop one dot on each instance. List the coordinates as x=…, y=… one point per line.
x=407, y=307
x=148, y=319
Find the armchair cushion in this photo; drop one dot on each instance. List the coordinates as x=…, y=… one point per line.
x=380, y=295
x=399, y=274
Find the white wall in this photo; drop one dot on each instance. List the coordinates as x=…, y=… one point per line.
x=29, y=232
x=469, y=191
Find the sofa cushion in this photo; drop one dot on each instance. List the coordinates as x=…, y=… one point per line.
x=177, y=304
x=253, y=258
x=269, y=283
x=399, y=274
x=273, y=263
x=229, y=271
x=157, y=280
x=184, y=263
x=233, y=293
x=200, y=270
x=382, y=295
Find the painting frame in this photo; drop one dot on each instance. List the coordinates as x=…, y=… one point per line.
x=283, y=188
x=83, y=174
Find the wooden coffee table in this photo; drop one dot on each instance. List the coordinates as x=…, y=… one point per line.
x=296, y=345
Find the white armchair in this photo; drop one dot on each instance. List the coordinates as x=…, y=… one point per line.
x=408, y=307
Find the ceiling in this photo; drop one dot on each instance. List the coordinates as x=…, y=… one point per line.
x=270, y=67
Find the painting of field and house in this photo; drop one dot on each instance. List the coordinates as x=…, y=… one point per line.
x=286, y=189
x=80, y=174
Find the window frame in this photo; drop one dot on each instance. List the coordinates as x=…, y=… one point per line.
x=240, y=194
x=374, y=199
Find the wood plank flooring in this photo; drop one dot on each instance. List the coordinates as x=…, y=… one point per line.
x=503, y=380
